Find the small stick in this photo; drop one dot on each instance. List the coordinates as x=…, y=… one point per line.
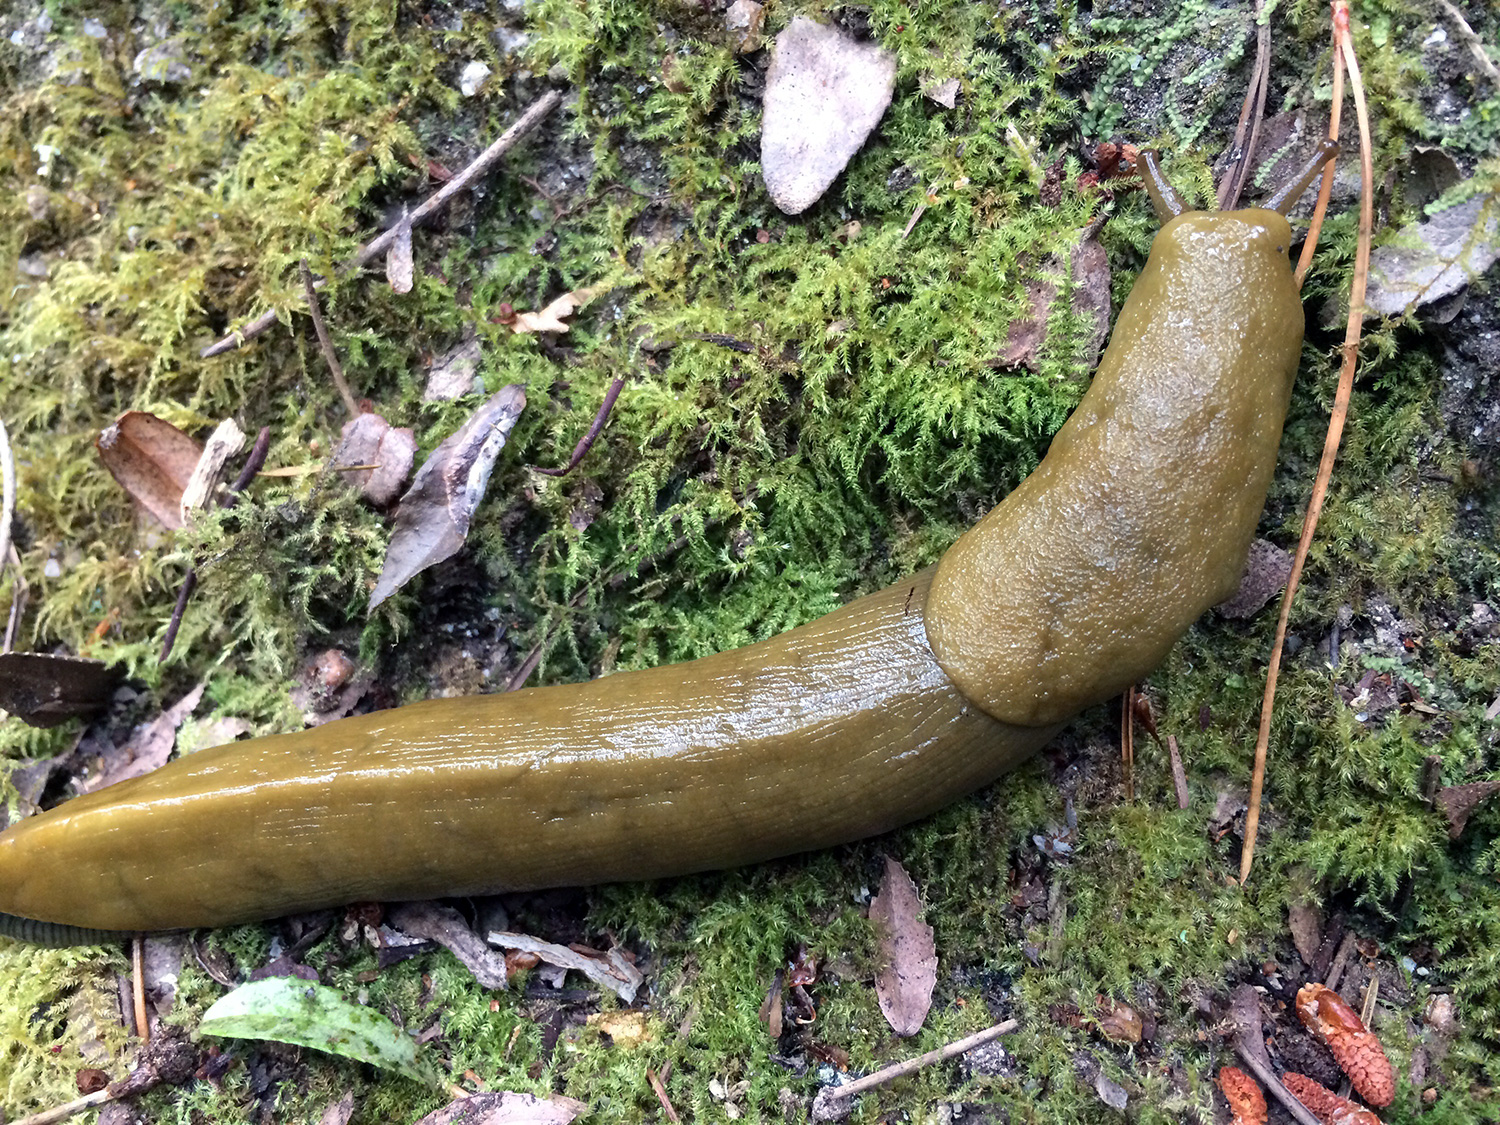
x=1269, y=1080
x=67, y=1109
x=325, y=344
x=1340, y=961
x=253, y=464
x=586, y=442
x=377, y=246
x=1251, y=112
x=1471, y=38
x=661, y=1095
x=1179, y=775
x=942, y=1054
x=17, y=601
x=1127, y=741
x=1336, y=421
x=138, y=987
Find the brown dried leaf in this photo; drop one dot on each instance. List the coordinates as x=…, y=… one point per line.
x=1090, y=301
x=1305, y=921
x=1120, y=1023
x=825, y=93
x=43, y=690
x=447, y=927
x=1266, y=572
x=1434, y=259
x=506, y=1108
x=909, y=957
x=433, y=519
x=550, y=319
x=770, y=1007
x=1458, y=803
x=371, y=440
x=149, y=745
x=153, y=461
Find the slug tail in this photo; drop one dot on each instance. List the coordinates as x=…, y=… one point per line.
x=54, y=935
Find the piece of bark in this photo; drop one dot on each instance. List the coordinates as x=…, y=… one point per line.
x=1266, y=572
x=227, y=440
x=1458, y=803
x=446, y=926
x=611, y=970
x=506, y=1108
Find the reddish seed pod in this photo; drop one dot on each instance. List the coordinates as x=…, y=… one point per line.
x=1354, y=1046
x=1243, y=1094
x=1325, y=1105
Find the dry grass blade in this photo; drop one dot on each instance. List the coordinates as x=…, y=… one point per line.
x=1345, y=57
x=1242, y=149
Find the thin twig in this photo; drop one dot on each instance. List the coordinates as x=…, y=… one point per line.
x=586, y=442
x=253, y=465
x=138, y=987
x=1325, y=184
x=661, y=1095
x=17, y=601
x=941, y=1054
x=377, y=246
x=67, y=1109
x=1242, y=149
x=325, y=344
x=1269, y=1080
x=1335, y=426
x=1471, y=38
x=1127, y=741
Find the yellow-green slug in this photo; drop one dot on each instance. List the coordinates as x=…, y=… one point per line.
x=1137, y=521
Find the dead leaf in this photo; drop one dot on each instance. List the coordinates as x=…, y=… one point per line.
x=909, y=958
x=149, y=745
x=506, y=1108
x=44, y=690
x=1434, y=259
x=433, y=519
x=1090, y=302
x=1305, y=921
x=770, y=1007
x=153, y=461
x=455, y=373
x=1110, y=1092
x=1266, y=571
x=1120, y=1023
x=398, y=263
x=611, y=970
x=944, y=93
x=371, y=440
x=626, y=1026
x=1458, y=803
x=550, y=319
x=226, y=440
x=446, y=926
x=825, y=93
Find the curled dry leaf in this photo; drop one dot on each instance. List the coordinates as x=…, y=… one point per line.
x=825, y=93
x=370, y=440
x=550, y=319
x=1355, y=1048
x=153, y=461
x=149, y=745
x=1243, y=1094
x=433, y=519
x=1325, y=1105
x=908, y=971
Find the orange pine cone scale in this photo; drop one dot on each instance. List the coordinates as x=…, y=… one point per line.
x=1354, y=1046
x=1325, y=1105
x=1243, y=1094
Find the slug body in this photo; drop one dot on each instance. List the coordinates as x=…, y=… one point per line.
x=1137, y=521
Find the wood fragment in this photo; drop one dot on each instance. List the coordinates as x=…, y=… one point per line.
x=1179, y=774
x=910, y=1066
x=66, y=1110
x=138, y=987
x=1127, y=741
x=1267, y=1077
x=435, y=202
x=1340, y=961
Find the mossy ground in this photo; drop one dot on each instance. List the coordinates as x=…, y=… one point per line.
x=855, y=438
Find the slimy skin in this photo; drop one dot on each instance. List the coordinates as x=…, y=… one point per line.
x=1075, y=586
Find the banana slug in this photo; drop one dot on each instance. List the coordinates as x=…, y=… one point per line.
x=1137, y=521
